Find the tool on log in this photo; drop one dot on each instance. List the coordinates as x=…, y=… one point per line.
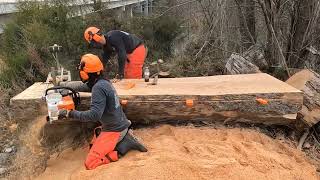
x=58, y=73
x=156, y=75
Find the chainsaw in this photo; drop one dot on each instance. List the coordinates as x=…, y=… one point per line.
x=59, y=98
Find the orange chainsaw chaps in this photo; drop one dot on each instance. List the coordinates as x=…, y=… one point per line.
x=133, y=69
x=102, y=149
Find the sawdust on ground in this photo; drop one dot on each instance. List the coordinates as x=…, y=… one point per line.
x=192, y=153
x=31, y=156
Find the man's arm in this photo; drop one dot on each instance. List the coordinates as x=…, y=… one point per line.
x=76, y=85
x=122, y=54
x=122, y=57
x=98, y=104
x=105, y=56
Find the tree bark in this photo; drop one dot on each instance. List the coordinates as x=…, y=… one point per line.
x=236, y=64
x=255, y=54
x=213, y=98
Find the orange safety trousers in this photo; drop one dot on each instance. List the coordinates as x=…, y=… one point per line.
x=133, y=69
x=102, y=150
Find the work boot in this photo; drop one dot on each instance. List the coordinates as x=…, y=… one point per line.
x=129, y=142
x=111, y=157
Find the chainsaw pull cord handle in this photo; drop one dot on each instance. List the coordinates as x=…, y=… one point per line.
x=75, y=95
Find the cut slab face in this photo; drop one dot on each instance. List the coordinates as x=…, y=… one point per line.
x=208, y=86
x=309, y=83
x=228, y=97
x=34, y=92
x=300, y=79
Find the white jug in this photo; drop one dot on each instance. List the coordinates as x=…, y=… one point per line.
x=52, y=103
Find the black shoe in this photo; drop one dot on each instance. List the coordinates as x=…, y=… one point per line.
x=129, y=142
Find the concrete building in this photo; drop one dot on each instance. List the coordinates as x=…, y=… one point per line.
x=9, y=7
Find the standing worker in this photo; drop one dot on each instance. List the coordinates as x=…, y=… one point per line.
x=130, y=49
x=113, y=137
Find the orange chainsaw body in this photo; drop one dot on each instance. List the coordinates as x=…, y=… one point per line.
x=66, y=103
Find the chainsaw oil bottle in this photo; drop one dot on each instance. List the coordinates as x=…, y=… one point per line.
x=52, y=103
x=146, y=74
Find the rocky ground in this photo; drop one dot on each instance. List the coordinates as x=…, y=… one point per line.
x=8, y=134
x=5, y=156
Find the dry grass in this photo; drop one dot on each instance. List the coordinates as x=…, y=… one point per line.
x=2, y=64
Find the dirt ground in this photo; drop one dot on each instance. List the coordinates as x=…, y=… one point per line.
x=192, y=153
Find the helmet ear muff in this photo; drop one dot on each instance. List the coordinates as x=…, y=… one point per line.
x=84, y=76
x=96, y=37
x=90, y=36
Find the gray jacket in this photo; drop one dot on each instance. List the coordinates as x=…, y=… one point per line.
x=105, y=106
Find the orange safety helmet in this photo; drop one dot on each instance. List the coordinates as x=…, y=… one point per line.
x=92, y=33
x=89, y=64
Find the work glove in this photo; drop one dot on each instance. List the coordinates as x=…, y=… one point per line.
x=63, y=113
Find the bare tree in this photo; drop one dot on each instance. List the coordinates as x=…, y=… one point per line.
x=304, y=16
x=272, y=11
x=247, y=22
x=285, y=29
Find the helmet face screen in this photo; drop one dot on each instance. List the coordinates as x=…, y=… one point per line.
x=80, y=66
x=94, y=44
x=90, y=38
x=82, y=74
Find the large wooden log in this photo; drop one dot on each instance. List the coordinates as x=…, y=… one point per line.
x=251, y=61
x=309, y=83
x=237, y=64
x=255, y=55
x=224, y=98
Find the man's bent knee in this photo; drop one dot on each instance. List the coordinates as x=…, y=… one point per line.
x=95, y=160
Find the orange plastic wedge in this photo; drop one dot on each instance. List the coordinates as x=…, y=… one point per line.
x=189, y=102
x=130, y=85
x=262, y=101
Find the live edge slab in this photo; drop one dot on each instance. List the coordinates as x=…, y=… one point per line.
x=251, y=98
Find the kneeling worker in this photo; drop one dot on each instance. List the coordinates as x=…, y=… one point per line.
x=113, y=138
x=130, y=49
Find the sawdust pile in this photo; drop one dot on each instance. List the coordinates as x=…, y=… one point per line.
x=193, y=153
x=31, y=156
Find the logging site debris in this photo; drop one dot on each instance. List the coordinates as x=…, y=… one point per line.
x=234, y=126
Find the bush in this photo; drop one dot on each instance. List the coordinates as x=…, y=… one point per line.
x=37, y=26
x=12, y=40
x=13, y=72
x=158, y=33
x=25, y=42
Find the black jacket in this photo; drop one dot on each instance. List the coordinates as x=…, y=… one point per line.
x=122, y=43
